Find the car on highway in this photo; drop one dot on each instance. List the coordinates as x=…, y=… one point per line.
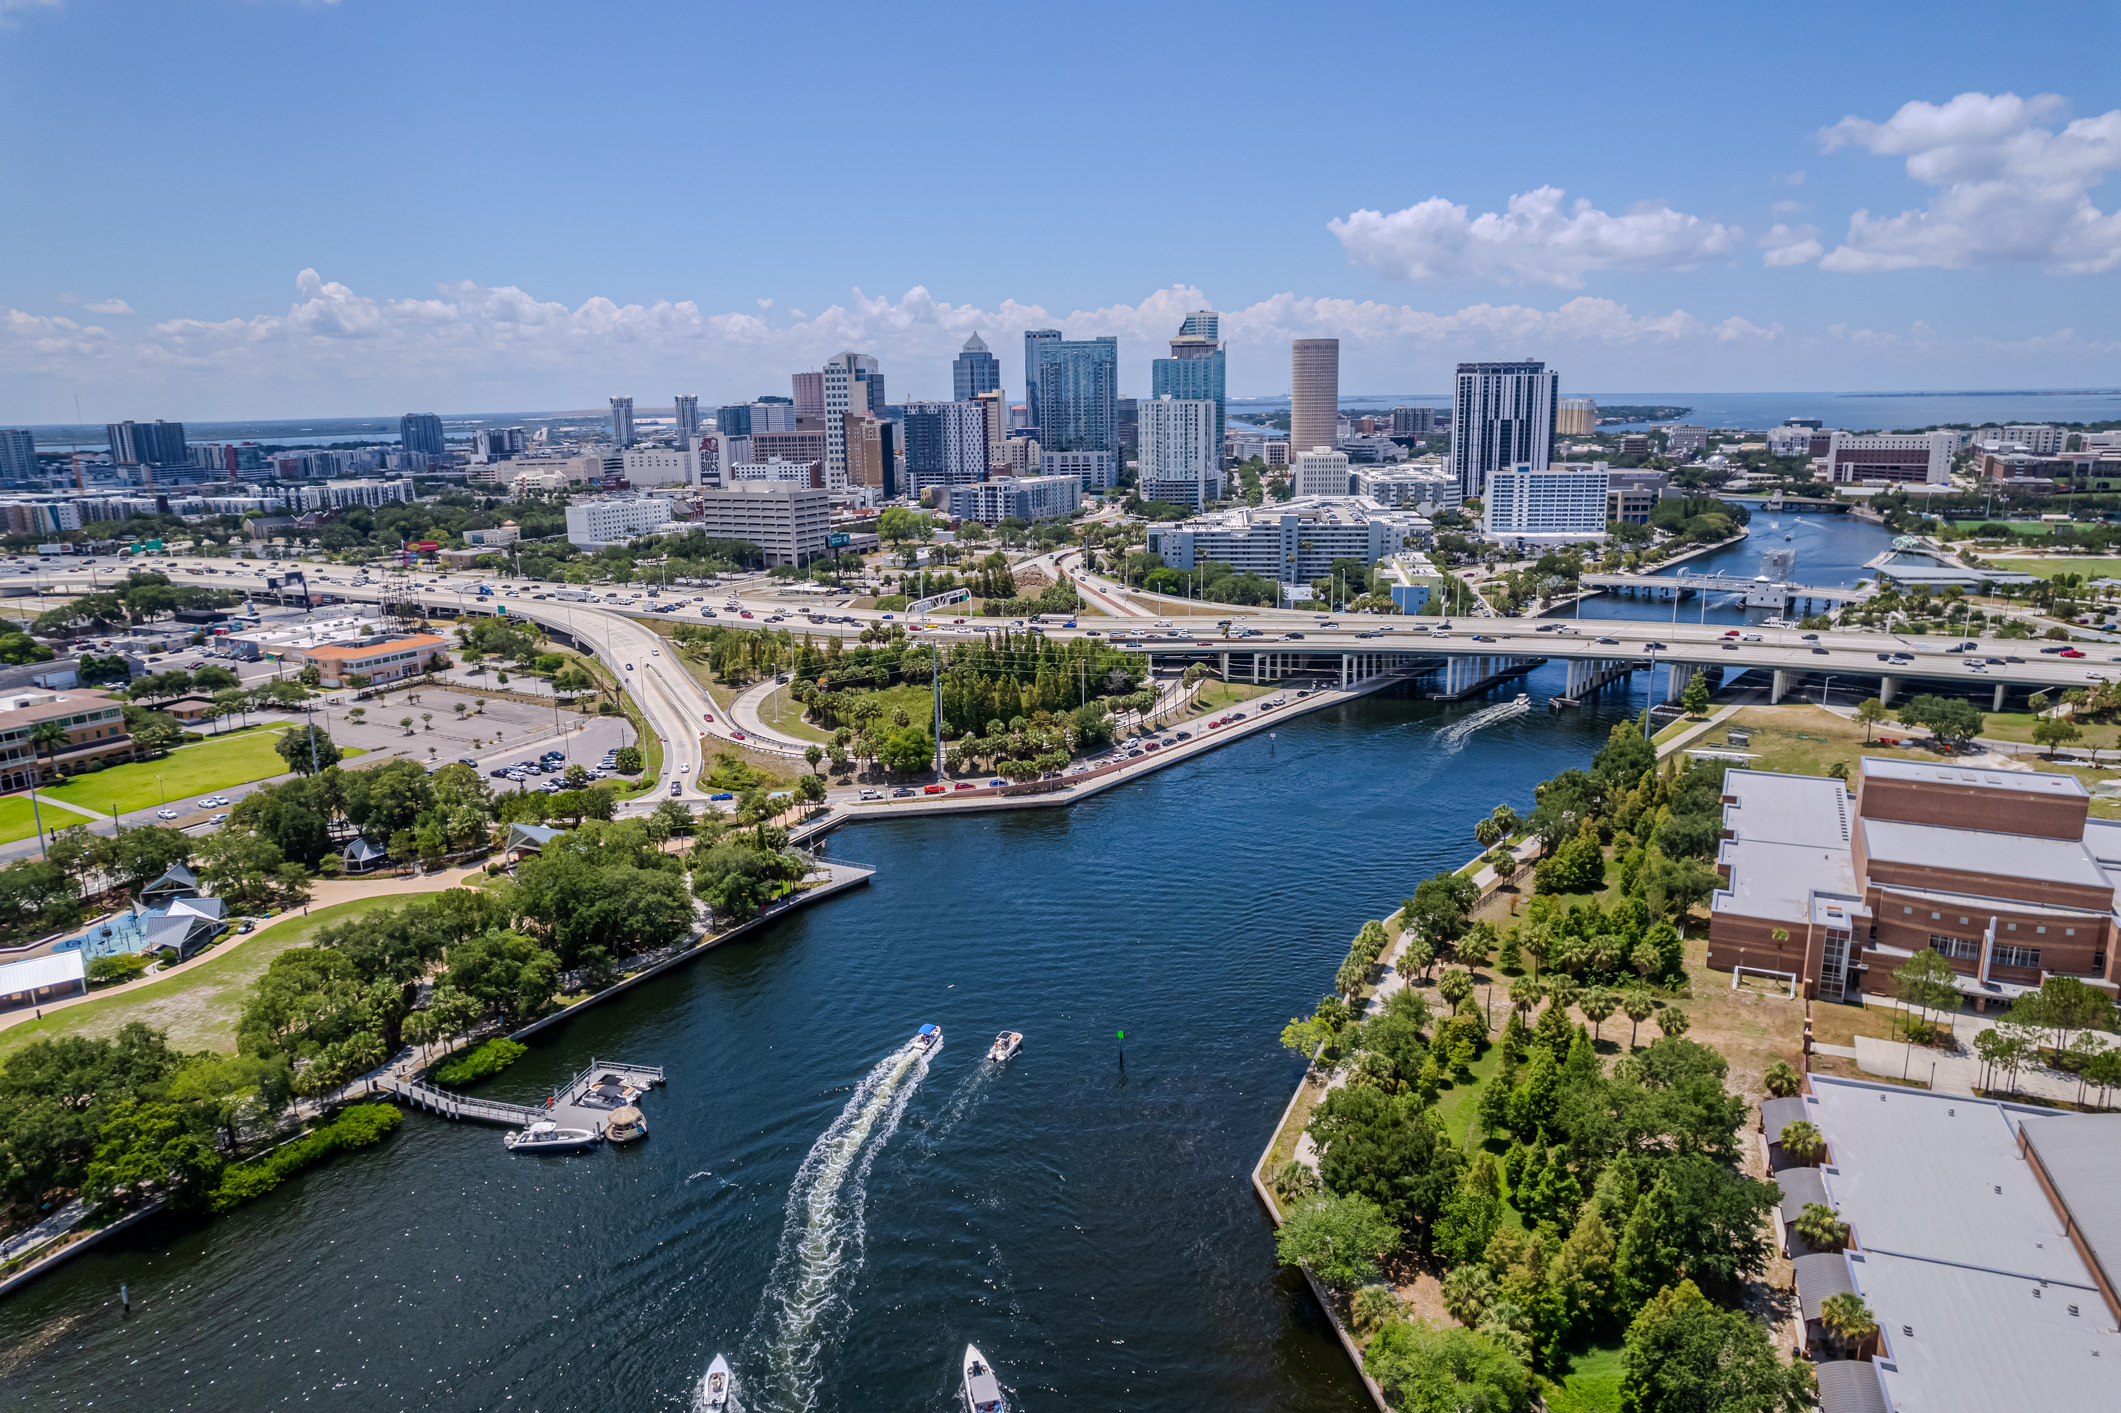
x=996, y=781
x=747, y=613
x=165, y=814
x=1654, y=648
x=1298, y=637
x=708, y=714
x=1728, y=647
x=1482, y=638
x=655, y=652
x=723, y=795
x=1819, y=650
x=1885, y=657
x=872, y=794
x=2070, y=652
x=902, y=792
x=931, y=789
x=737, y=736
x=218, y=819
x=965, y=785
x=1607, y=641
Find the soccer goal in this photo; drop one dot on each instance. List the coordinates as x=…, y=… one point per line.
x=1738, y=974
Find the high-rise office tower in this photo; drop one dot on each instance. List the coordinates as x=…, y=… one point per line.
x=809, y=394
x=1078, y=394
x=995, y=406
x=18, y=455
x=1034, y=340
x=1314, y=393
x=421, y=431
x=852, y=384
x=1502, y=415
x=733, y=420
x=975, y=370
x=688, y=417
x=1181, y=455
x=622, y=421
x=156, y=443
x=1576, y=417
x=1195, y=368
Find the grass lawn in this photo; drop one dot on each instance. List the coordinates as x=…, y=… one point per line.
x=185, y=772
x=1592, y=1383
x=1215, y=696
x=18, y=820
x=2018, y=726
x=198, y=1007
x=1800, y=739
x=2048, y=566
x=1458, y=1102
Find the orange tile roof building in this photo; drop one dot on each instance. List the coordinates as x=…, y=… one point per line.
x=380, y=660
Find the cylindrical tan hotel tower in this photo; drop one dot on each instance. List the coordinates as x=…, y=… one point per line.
x=1314, y=394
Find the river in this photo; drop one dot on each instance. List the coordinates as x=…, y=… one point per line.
x=835, y=1219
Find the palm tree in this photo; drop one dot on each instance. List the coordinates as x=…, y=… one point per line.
x=1597, y=1004
x=1820, y=1228
x=1638, y=1006
x=1802, y=1140
x=1487, y=833
x=1849, y=1318
x=1782, y=1081
x=1524, y=995
x=1672, y=1021
x=1563, y=992
x=1537, y=943
x=49, y=736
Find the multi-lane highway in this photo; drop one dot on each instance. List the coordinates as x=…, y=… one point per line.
x=616, y=629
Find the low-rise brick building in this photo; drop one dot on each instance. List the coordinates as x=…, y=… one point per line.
x=2003, y=873
x=380, y=659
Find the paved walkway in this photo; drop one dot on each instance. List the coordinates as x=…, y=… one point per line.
x=56, y=1225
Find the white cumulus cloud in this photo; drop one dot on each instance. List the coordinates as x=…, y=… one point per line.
x=1538, y=241
x=1790, y=245
x=109, y=306
x=2012, y=189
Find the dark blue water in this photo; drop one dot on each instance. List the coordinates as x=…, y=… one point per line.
x=1090, y=1225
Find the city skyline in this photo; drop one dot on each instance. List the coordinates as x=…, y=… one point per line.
x=1947, y=225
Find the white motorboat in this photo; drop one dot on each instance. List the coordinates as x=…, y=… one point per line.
x=983, y=1392
x=546, y=1136
x=714, y=1389
x=929, y=1038
x=1005, y=1045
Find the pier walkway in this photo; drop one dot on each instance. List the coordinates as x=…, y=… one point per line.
x=585, y=1101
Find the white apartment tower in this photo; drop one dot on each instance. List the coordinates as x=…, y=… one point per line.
x=1180, y=462
x=688, y=417
x=848, y=388
x=622, y=421
x=1503, y=415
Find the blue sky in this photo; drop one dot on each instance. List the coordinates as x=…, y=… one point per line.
x=268, y=208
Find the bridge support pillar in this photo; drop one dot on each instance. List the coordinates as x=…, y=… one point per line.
x=1226, y=667
x=1780, y=686
x=1888, y=688
x=1677, y=675
x=1999, y=698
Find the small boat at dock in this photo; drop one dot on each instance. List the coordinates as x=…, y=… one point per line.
x=983, y=1392
x=627, y=1124
x=548, y=1137
x=929, y=1039
x=1005, y=1045
x=714, y=1389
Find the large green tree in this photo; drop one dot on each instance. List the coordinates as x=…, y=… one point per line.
x=1685, y=1355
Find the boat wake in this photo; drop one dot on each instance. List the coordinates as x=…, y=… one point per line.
x=1454, y=736
x=962, y=1101
x=822, y=1237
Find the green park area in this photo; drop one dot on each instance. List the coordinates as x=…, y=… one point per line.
x=18, y=819
x=197, y=1006
x=179, y=777
x=2048, y=566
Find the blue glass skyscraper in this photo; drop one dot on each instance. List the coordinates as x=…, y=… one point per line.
x=1034, y=341
x=975, y=371
x=1078, y=394
x=1194, y=371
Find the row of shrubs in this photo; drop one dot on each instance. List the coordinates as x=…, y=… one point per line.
x=359, y=1126
x=488, y=1060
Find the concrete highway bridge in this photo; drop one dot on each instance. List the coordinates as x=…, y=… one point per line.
x=1461, y=658
x=1803, y=599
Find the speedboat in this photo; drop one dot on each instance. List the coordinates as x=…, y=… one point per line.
x=1005, y=1045
x=714, y=1389
x=983, y=1393
x=545, y=1136
x=929, y=1039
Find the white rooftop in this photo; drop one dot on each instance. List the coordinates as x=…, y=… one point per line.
x=1979, y=851
x=1890, y=768
x=52, y=969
